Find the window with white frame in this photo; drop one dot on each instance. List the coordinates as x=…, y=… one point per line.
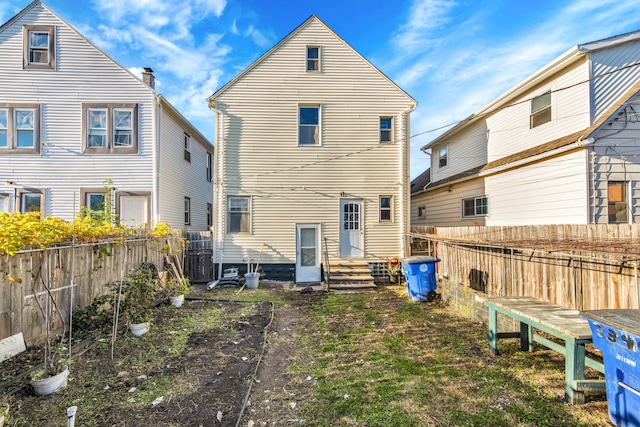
x=386, y=208
x=30, y=201
x=4, y=202
x=313, y=58
x=110, y=128
x=386, y=129
x=422, y=211
x=39, y=47
x=617, y=202
x=540, y=109
x=443, y=157
x=476, y=206
x=19, y=128
x=238, y=214
x=187, y=210
x=187, y=147
x=209, y=167
x=95, y=202
x=309, y=125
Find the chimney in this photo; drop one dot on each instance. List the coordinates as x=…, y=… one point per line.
x=148, y=78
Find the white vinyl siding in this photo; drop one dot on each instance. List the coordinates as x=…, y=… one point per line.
x=509, y=129
x=291, y=184
x=549, y=192
x=180, y=178
x=83, y=75
x=465, y=151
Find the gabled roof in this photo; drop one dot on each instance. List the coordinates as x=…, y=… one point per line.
x=292, y=34
x=573, y=141
x=163, y=100
x=420, y=182
x=19, y=14
x=576, y=53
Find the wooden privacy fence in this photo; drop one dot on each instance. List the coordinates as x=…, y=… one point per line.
x=585, y=267
x=74, y=276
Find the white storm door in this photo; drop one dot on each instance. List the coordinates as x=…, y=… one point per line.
x=307, y=253
x=351, y=232
x=134, y=211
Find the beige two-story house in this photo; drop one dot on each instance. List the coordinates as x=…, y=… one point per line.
x=312, y=160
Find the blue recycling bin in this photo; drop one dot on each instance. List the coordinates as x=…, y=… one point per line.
x=420, y=273
x=617, y=334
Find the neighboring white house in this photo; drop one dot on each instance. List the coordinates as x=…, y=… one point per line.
x=71, y=118
x=312, y=155
x=561, y=147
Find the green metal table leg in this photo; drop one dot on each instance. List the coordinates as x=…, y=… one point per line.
x=574, y=370
x=492, y=335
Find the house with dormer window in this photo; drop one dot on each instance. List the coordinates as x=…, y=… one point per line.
x=561, y=147
x=79, y=130
x=312, y=161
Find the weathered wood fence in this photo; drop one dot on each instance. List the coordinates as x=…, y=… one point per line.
x=74, y=276
x=585, y=267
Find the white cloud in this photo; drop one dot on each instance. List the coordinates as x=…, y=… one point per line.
x=448, y=55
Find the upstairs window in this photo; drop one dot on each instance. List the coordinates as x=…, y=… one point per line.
x=541, y=109
x=39, y=47
x=209, y=166
x=19, y=129
x=386, y=129
x=110, y=128
x=443, y=158
x=209, y=215
x=477, y=206
x=309, y=125
x=617, y=201
x=313, y=59
x=122, y=127
x=187, y=148
x=421, y=211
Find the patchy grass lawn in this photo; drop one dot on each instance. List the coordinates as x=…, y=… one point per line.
x=379, y=359
x=364, y=359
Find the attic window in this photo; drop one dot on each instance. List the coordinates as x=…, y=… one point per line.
x=541, y=109
x=313, y=59
x=39, y=47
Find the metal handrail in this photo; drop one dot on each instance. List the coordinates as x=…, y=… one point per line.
x=327, y=269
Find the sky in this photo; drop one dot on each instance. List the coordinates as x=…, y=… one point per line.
x=452, y=56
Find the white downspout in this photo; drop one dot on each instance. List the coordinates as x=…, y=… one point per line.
x=155, y=206
x=405, y=178
x=219, y=160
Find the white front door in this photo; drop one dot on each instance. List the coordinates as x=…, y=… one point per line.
x=308, y=253
x=351, y=232
x=134, y=211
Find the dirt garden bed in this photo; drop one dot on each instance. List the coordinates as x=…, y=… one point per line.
x=374, y=359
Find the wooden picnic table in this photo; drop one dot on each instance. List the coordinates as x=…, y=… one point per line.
x=567, y=325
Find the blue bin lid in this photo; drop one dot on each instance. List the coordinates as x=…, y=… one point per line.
x=627, y=320
x=420, y=259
